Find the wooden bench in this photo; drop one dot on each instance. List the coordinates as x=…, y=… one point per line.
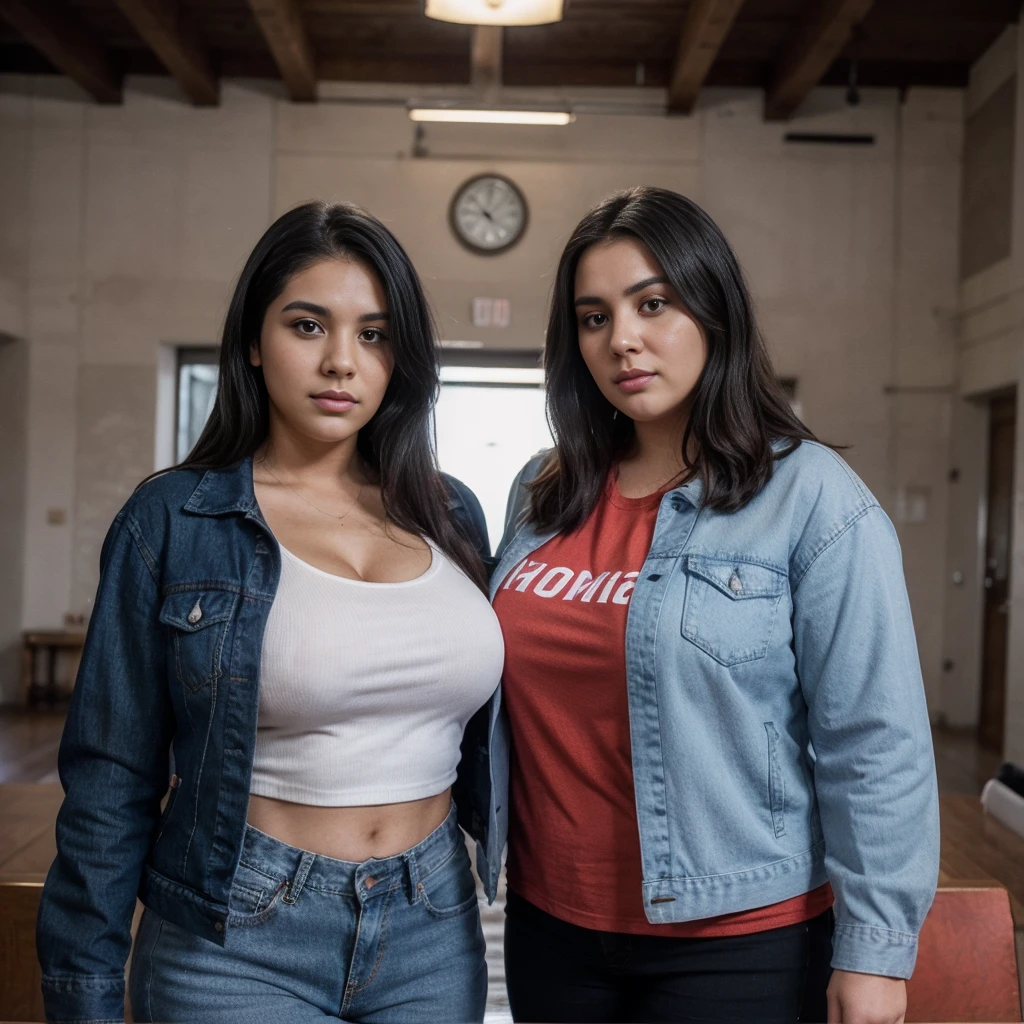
x=966, y=969
x=27, y=847
x=20, y=978
x=966, y=966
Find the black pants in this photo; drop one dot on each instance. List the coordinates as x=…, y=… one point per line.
x=560, y=972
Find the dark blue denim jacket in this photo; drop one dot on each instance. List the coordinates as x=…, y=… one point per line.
x=188, y=573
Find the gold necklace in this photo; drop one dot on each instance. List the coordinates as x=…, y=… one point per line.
x=322, y=512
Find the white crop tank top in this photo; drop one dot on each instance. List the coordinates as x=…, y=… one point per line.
x=366, y=688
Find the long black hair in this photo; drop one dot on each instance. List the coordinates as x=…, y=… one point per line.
x=396, y=444
x=739, y=411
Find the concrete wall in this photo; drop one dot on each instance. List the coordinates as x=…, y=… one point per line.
x=140, y=216
x=13, y=432
x=989, y=358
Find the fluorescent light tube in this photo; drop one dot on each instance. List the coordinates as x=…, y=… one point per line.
x=492, y=375
x=491, y=116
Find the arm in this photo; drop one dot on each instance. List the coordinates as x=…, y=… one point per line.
x=113, y=765
x=874, y=771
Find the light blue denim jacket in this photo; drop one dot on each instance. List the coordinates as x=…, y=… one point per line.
x=779, y=731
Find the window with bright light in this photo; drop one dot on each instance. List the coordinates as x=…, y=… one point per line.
x=490, y=421
x=197, y=389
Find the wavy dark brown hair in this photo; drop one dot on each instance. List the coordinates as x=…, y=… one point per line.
x=741, y=420
x=396, y=443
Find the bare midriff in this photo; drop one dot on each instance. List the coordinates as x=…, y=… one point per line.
x=350, y=833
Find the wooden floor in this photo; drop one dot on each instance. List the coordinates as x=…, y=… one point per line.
x=976, y=850
x=28, y=745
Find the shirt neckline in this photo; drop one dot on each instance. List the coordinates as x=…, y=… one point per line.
x=619, y=500
x=431, y=570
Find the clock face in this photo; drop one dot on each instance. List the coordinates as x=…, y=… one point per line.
x=488, y=214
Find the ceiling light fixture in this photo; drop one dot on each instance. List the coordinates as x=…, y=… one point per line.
x=495, y=12
x=448, y=114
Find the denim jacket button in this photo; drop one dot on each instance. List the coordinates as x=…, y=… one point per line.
x=195, y=615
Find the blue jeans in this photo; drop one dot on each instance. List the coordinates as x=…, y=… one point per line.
x=309, y=937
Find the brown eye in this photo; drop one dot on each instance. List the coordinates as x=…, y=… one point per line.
x=595, y=320
x=653, y=305
x=306, y=327
x=373, y=335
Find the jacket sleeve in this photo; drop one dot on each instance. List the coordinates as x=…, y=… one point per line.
x=113, y=765
x=874, y=769
x=519, y=500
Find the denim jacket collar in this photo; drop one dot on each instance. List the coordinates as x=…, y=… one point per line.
x=223, y=491
x=691, y=491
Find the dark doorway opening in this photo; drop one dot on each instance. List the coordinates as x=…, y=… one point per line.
x=998, y=553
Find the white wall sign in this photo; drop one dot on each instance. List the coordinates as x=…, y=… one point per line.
x=492, y=312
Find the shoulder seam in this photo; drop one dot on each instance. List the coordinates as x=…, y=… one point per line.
x=147, y=556
x=854, y=519
x=853, y=478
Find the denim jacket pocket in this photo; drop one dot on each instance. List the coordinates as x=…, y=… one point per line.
x=730, y=607
x=198, y=621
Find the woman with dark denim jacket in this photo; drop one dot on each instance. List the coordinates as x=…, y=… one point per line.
x=717, y=716
x=297, y=614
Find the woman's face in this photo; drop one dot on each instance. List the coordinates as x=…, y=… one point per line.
x=642, y=347
x=325, y=350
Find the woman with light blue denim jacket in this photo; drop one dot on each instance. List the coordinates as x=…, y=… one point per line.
x=722, y=799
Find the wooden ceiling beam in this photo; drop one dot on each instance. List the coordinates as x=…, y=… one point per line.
x=158, y=23
x=56, y=32
x=817, y=43
x=281, y=24
x=704, y=31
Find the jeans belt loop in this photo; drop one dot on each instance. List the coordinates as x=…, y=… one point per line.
x=413, y=872
x=291, y=894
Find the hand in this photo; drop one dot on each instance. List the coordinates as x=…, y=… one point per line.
x=866, y=999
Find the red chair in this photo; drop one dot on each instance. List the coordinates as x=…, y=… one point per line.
x=966, y=962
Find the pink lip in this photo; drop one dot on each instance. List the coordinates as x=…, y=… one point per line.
x=634, y=381
x=335, y=401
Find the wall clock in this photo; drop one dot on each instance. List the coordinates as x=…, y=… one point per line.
x=488, y=214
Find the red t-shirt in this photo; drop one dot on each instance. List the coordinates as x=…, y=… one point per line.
x=574, y=843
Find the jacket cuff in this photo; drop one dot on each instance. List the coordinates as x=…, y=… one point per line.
x=869, y=950
x=84, y=999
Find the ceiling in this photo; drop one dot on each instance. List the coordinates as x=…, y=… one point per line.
x=782, y=46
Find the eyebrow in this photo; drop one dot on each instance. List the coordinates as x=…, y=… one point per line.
x=318, y=310
x=646, y=283
x=594, y=300
x=310, y=307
